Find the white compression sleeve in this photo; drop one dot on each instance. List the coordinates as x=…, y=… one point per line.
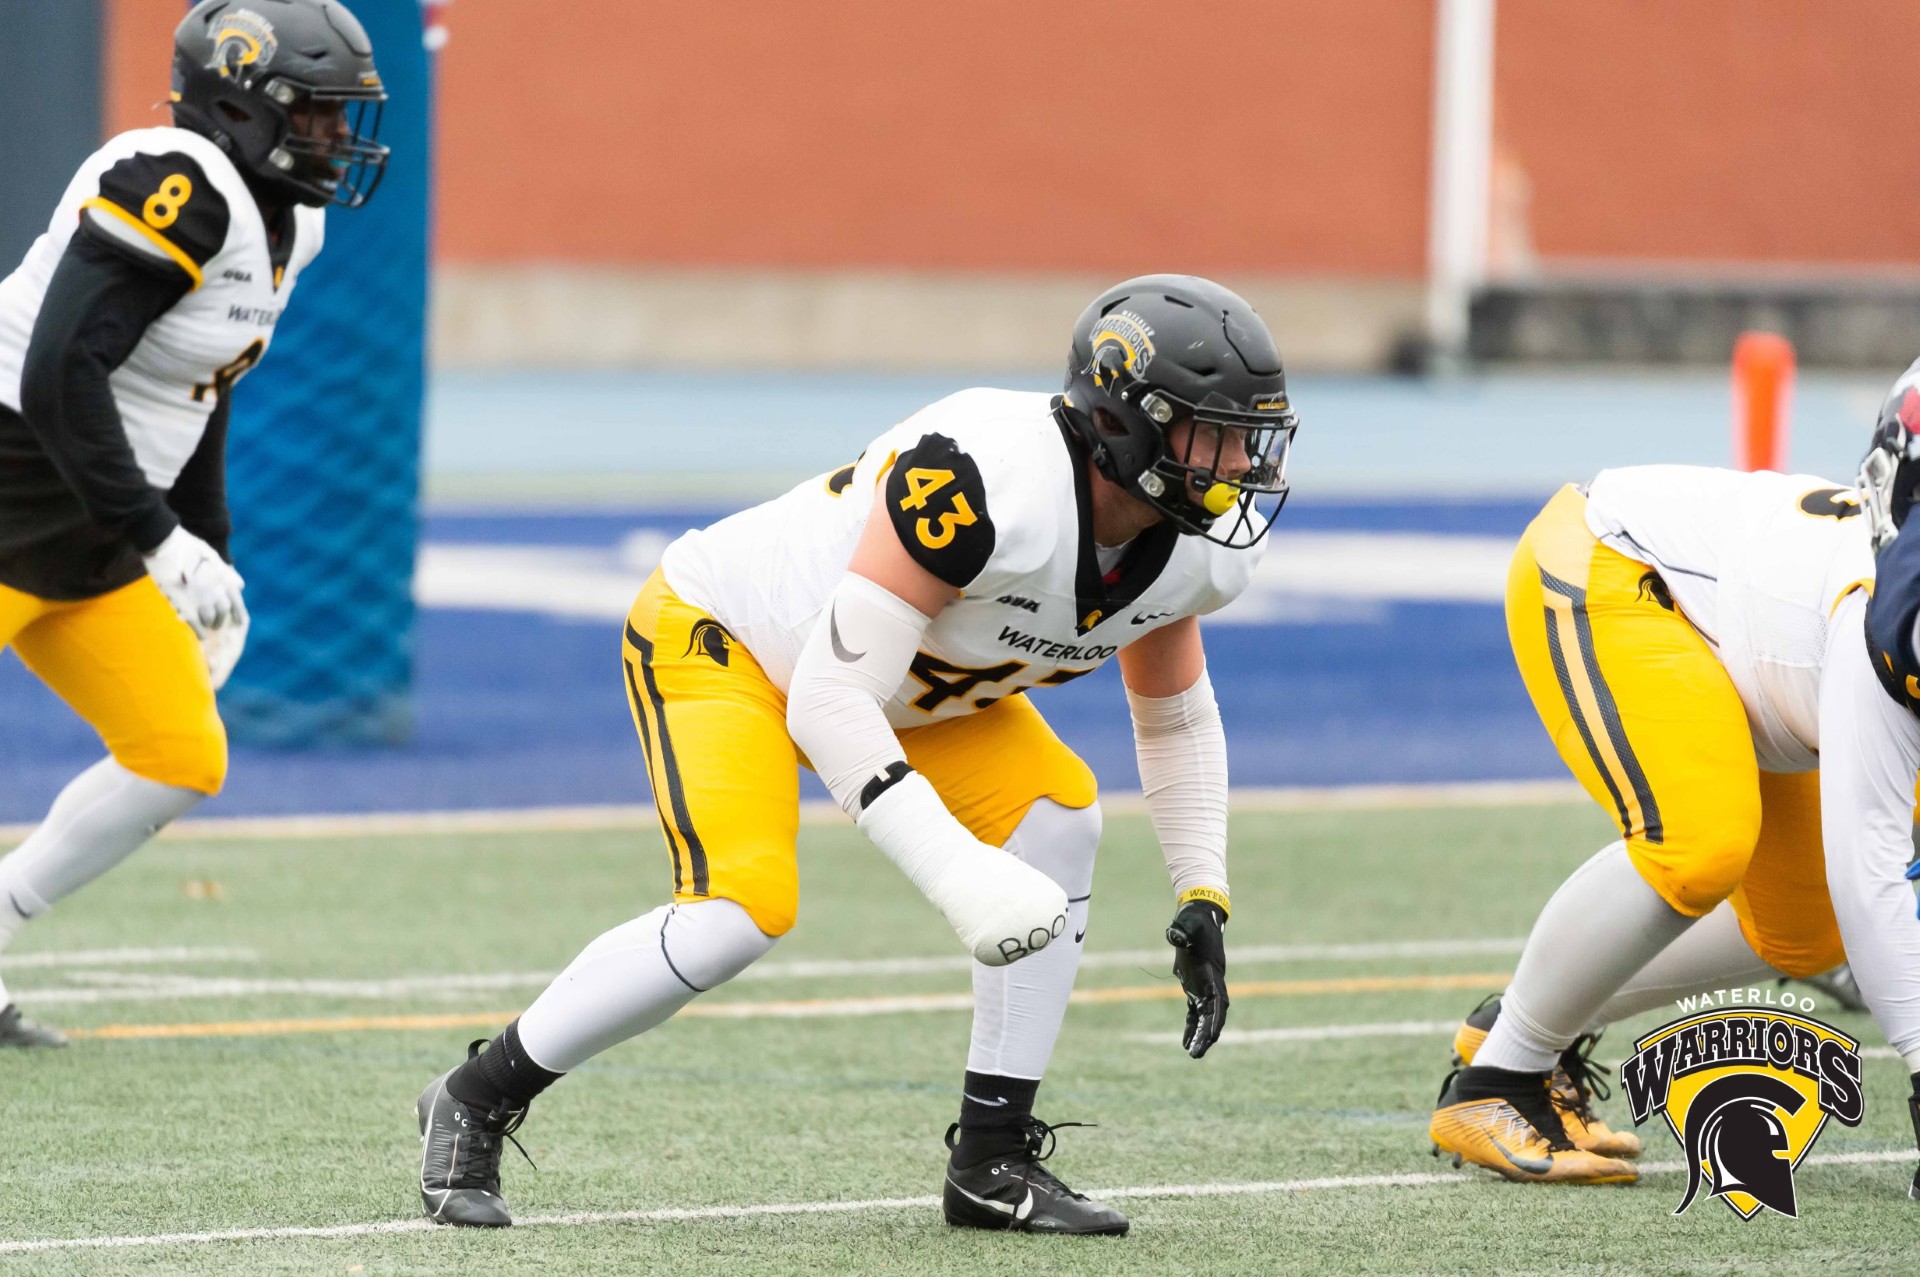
x=1182, y=751
x=851, y=665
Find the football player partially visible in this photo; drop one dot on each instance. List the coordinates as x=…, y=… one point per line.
x=155, y=288
x=1713, y=659
x=887, y=621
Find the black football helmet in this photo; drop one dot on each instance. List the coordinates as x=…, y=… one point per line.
x=1163, y=352
x=1889, y=479
x=288, y=89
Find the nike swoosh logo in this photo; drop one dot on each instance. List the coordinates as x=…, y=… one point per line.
x=1078, y=936
x=989, y=1103
x=15, y=902
x=1020, y=1211
x=840, y=649
x=1151, y=616
x=1531, y=1165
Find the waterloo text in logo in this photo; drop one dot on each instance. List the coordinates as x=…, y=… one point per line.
x=1746, y=1091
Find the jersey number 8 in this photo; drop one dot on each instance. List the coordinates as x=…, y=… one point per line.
x=162, y=208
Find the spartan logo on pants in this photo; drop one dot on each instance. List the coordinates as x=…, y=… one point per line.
x=1746, y=1092
x=711, y=638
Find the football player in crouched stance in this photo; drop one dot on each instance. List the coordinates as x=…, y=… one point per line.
x=1698, y=642
x=154, y=289
x=886, y=621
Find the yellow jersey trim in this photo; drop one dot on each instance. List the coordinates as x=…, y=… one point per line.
x=1212, y=895
x=158, y=240
x=1864, y=583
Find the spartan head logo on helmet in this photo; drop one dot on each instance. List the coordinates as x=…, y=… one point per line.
x=1123, y=341
x=242, y=38
x=1737, y=1141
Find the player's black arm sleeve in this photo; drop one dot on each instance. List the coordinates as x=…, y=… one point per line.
x=199, y=495
x=99, y=302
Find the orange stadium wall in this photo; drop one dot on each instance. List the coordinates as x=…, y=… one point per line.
x=1713, y=131
x=615, y=157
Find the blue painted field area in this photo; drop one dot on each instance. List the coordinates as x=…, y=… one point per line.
x=1370, y=649
x=518, y=705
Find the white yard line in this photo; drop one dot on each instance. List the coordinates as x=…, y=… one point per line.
x=123, y=957
x=1262, y=1188
x=1517, y=793
x=1317, y=1032
x=96, y=987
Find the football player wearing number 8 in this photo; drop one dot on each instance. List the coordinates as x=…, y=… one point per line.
x=156, y=286
x=884, y=623
x=1729, y=671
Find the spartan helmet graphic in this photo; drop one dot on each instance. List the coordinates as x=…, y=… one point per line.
x=1735, y=1137
x=710, y=638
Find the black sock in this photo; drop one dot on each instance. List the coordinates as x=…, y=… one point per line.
x=994, y=1114
x=502, y=1076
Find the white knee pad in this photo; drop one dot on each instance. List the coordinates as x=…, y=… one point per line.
x=711, y=941
x=1061, y=842
x=636, y=976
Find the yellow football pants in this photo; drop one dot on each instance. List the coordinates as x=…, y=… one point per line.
x=133, y=671
x=1651, y=725
x=726, y=777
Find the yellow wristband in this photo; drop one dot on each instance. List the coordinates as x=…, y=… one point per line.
x=1212, y=895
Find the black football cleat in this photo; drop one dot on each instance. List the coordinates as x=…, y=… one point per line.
x=460, y=1157
x=18, y=1031
x=1015, y=1193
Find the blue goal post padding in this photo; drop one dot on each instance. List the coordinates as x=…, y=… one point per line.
x=324, y=452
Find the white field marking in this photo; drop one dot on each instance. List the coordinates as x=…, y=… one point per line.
x=591, y=583
x=578, y=1219
x=1264, y=800
x=1107, y=959
x=1317, y=1032
x=123, y=957
x=95, y=987
x=1371, y=566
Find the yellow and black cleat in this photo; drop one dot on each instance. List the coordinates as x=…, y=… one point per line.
x=1507, y=1122
x=1576, y=1083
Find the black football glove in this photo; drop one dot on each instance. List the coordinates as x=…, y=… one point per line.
x=1200, y=960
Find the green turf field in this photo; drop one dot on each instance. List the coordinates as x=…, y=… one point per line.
x=308, y=967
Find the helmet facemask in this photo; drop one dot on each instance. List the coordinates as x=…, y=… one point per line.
x=337, y=155
x=1213, y=461
x=1219, y=467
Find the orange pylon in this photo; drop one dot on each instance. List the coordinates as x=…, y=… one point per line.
x=1762, y=387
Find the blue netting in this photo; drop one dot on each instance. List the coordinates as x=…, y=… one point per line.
x=323, y=460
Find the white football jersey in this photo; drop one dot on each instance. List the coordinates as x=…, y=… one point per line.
x=172, y=381
x=1757, y=563
x=988, y=494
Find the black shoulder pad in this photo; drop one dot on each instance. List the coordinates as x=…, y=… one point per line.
x=1890, y=616
x=939, y=507
x=169, y=197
